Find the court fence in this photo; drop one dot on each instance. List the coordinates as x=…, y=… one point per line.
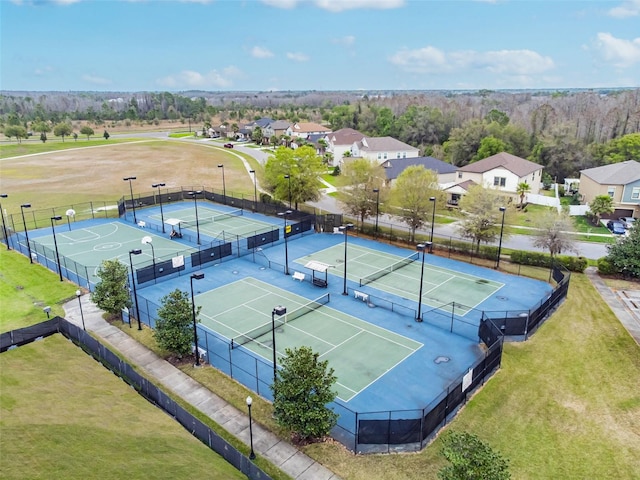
x=142, y=385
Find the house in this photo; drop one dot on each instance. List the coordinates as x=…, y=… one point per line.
x=504, y=172
x=380, y=149
x=446, y=172
x=276, y=128
x=304, y=129
x=456, y=191
x=621, y=181
x=341, y=141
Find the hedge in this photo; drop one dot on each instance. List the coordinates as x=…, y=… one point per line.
x=537, y=259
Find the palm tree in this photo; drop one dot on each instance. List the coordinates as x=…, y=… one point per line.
x=522, y=190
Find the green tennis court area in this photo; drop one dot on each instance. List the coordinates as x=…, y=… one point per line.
x=213, y=222
x=359, y=352
x=401, y=276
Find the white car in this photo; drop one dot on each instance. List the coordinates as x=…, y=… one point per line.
x=628, y=222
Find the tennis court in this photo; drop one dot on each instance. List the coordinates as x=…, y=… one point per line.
x=401, y=276
x=359, y=352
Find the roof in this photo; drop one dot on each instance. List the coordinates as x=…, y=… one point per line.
x=516, y=165
x=306, y=127
x=345, y=136
x=615, y=174
x=384, y=144
x=262, y=122
x=461, y=188
x=279, y=125
x=396, y=166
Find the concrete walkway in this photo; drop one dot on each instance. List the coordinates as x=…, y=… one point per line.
x=280, y=453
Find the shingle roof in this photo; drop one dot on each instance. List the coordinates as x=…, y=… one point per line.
x=309, y=127
x=262, y=122
x=518, y=166
x=384, y=144
x=615, y=174
x=280, y=125
x=396, y=166
x=345, y=136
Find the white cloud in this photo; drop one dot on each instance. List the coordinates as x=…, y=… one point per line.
x=40, y=72
x=284, y=4
x=347, y=41
x=618, y=51
x=193, y=79
x=297, y=57
x=422, y=60
x=96, y=80
x=339, y=5
x=261, y=52
x=630, y=8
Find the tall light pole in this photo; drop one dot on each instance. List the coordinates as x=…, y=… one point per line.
x=503, y=210
x=224, y=185
x=4, y=225
x=421, y=248
x=252, y=455
x=78, y=293
x=286, y=246
x=344, y=229
x=55, y=243
x=255, y=191
x=433, y=221
x=195, y=276
x=26, y=233
x=135, y=251
x=148, y=241
x=158, y=185
x=279, y=310
x=133, y=203
x=377, y=192
x=195, y=204
x=289, y=178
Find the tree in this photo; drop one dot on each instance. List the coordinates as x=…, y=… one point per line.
x=174, y=327
x=257, y=136
x=482, y=221
x=490, y=146
x=42, y=127
x=522, y=190
x=111, y=293
x=302, y=390
x=62, y=130
x=16, y=131
x=106, y=135
x=88, y=131
x=358, y=179
x=43, y=137
x=551, y=233
x=471, y=459
x=411, y=193
x=624, y=255
x=600, y=205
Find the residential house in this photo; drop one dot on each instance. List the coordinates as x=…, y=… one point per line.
x=304, y=129
x=381, y=149
x=341, y=141
x=446, y=172
x=276, y=128
x=456, y=191
x=621, y=181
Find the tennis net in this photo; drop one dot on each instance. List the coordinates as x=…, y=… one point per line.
x=212, y=218
x=388, y=269
x=256, y=333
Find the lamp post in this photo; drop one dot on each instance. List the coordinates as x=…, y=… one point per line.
x=26, y=233
x=286, y=246
x=421, y=248
x=344, y=229
x=224, y=185
x=252, y=455
x=377, y=192
x=195, y=204
x=195, y=276
x=503, y=210
x=78, y=293
x=279, y=310
x=135, y=251
x=133, y=203
x=55, y=244
x=288, y=177
x=255, y=191
x=433, y=221
x=148, y=241
x=4, y=225
x=158, y=185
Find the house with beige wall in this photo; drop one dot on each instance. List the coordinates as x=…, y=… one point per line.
x=381, y=149
x=620, y=181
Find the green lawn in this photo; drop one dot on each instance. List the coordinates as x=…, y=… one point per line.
x=31, y=147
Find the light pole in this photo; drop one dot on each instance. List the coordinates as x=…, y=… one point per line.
x=195, y=276
x=252, y=455
x=195, y=204
x=224, y=185
x=344, y=229
x=158, y=185
x=255, y=191
x=286, y=246
x=148, y=241
x=503, y=210
x=433, y=220
x=78, y=293
x=421, y=248
x=55, y=243
x=135, y=251
x=377, y=192
x=133, y=203
x=289, y=178
x=4, y=225
x=26, y=233
x=279, y=310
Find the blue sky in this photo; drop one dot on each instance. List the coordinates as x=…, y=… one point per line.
x=261, y=45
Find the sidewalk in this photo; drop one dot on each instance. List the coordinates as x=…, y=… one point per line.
x=280, y=453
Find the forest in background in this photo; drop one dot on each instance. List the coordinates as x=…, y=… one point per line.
x=566, y=131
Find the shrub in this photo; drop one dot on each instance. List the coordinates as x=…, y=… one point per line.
x=538, y=259
x=605, y=267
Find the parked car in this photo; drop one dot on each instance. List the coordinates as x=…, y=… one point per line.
x=616, y=227
x=627, y=222
x=228, y=145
